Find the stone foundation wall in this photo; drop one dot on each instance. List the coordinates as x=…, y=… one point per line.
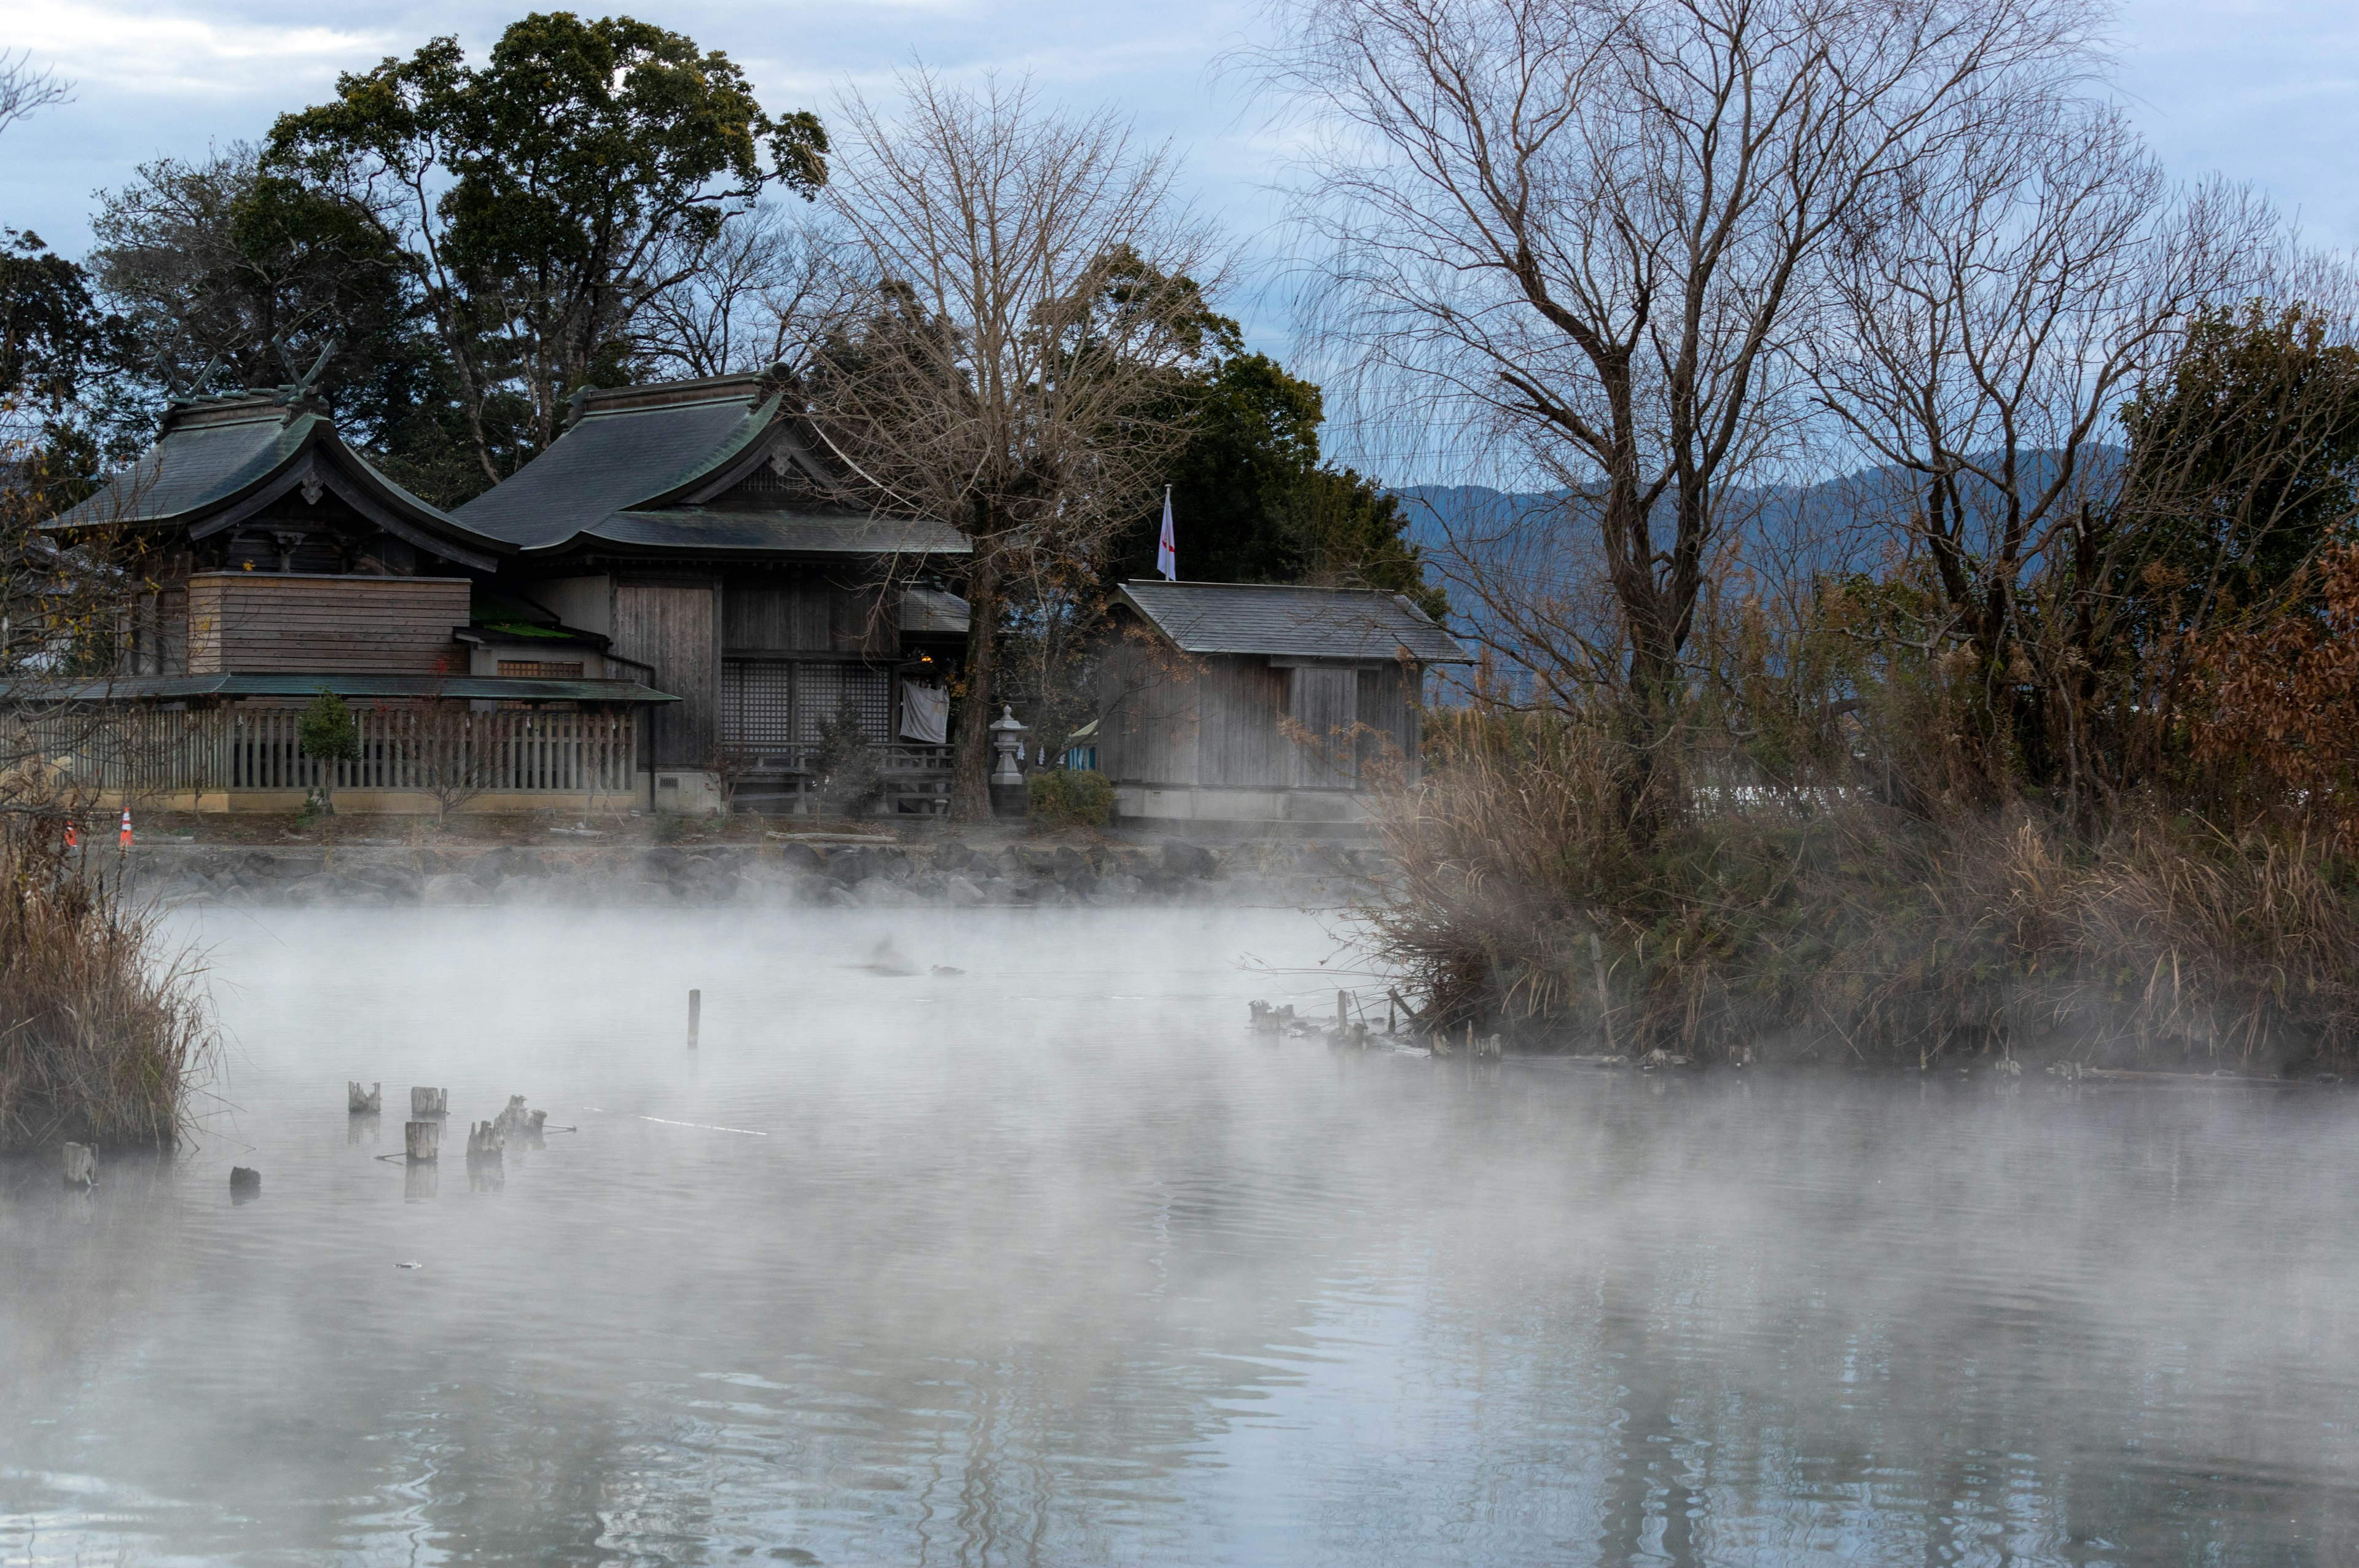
x=880, y=875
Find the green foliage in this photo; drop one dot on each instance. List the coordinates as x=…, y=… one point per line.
x=1253, y=501
x=1070, y=797
x=52, y=334
x=229, y=276
x=58, y=354
x=328, y=732
x=845, y=763
x=2242, y=463
x=531, y=198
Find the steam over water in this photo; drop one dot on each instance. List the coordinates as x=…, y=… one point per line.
x=1053, y=1262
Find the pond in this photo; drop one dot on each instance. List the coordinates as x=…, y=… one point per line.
x=1051, y=1261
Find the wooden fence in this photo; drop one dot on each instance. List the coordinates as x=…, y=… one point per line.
x=443, y=750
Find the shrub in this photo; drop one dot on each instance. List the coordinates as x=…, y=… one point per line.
x=1826, y=921
x=1070, y=797
x=845, y=763
x=329, y=734
x=103, y=1033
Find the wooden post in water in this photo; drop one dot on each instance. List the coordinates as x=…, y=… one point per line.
x=1604, y=1008
x=422, y=1140
x=1342, y=1001
x=695, y=1011
x=81, y=1165
x=425, y=1102
x=360, y=1101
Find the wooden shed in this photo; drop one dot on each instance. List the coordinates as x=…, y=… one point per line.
x=1249, y=702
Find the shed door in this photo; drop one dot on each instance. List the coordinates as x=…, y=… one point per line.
x=673, y=627
x=1324, y=702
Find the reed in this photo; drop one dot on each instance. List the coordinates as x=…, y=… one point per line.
x=104, y=1029
x=1827, y=923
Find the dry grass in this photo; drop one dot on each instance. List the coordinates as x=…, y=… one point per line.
x=102, y=1031
x=1822, y=923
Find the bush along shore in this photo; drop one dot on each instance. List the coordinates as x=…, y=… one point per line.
x=105, y=1030
x=1541, y=896
x=820, y=870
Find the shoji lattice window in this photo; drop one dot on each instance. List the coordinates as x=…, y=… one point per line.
x=824, y=686
x=757, y=704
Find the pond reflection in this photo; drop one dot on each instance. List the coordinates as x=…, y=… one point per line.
x=1051, y=1260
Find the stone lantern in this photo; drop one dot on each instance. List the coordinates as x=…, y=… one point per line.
x=1008, y=794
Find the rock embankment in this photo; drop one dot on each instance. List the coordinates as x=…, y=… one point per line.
x=879, y=874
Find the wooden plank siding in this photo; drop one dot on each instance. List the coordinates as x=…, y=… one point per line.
x=809, y=613
x=786, y=615
x=1389, y=723
x=1324, y=702
x=259, y=622
x=1147, y=727
x=674, y=627
x=1243, y=699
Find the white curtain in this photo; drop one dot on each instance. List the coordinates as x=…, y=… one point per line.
x=925, y=712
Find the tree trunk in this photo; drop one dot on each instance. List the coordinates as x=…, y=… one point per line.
x=970, y=761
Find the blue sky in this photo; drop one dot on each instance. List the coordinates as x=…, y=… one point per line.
x=2267, y=91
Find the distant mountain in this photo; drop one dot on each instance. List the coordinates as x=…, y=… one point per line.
x=1523, y=536
x=1820, y=523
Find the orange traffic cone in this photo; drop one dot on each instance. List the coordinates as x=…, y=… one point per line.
x=126, y=840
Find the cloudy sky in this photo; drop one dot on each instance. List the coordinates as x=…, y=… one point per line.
x=2262, y=91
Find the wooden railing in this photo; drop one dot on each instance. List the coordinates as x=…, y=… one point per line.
x=445, y=750
x=916, y=777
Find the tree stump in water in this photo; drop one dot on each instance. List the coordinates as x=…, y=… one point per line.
x=361, y=1101
x=430, y=1102
x=423, y=1140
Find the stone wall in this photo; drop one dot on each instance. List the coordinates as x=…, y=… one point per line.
x=882, y=874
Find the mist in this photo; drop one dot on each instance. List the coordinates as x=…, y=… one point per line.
x=1033, y=1253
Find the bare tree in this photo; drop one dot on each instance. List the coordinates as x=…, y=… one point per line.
x=24, y=89
x=760, y=292
x=1993, y=313
x=1034, y=285
x=1582, y=232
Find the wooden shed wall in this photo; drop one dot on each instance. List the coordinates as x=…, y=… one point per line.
x=1242, y=701
x=1324, y=703
x=1146, y=725
x=1390, y=722
x=674, y=627
x=259, y=622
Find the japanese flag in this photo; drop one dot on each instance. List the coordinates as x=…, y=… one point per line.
x=1167, y=554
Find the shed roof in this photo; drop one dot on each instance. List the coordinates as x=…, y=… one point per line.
x=1290, y=620
x=633, y=472
x=218, y=460
x=933, y=611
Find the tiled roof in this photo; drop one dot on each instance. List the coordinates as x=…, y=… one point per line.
x=785, y=533
x=620, y=454
x=933, y=610
x=619, y=476
x=212, y=455
x=1293, y=621
x=193, y=466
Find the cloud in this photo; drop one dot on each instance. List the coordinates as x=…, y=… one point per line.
x=180, y=54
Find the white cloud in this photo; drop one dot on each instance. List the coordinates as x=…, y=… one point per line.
x=179, y=54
